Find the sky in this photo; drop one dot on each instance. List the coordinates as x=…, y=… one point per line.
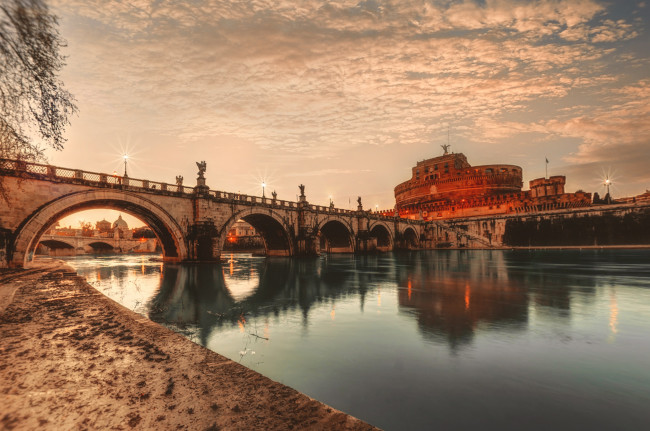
x=346, y=96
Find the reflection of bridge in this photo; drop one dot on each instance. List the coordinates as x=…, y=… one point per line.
x=200, y=294
x=191, y=223
x=84, y=244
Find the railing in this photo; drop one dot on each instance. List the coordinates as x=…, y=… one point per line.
x=125, y=182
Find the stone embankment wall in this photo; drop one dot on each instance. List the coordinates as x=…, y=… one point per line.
x=602, y=225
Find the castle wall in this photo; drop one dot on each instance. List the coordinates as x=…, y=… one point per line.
x=622, y=224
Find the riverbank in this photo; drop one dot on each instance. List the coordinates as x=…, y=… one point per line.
x=73, y=358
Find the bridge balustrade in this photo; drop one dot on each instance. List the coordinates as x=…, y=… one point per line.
x=153, y=186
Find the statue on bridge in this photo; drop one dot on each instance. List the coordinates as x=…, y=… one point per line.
x=179, y=180
x=274, y=194
x=359, y=205
x=202, y=166
x=302, y=190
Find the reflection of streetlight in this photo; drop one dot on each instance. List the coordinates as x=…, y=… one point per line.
x=263, y=186
x=125, y=157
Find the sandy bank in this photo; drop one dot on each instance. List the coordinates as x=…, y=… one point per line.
x=71, y=358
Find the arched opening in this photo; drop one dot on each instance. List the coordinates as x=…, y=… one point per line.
x=165, y=228
x=100, y=247
x=274, y=236
x=335, y=237
x=55, y=248
x=410, y=238
x=93, y=233
x=381, y=233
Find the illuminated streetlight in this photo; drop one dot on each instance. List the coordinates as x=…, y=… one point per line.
x=125, y=157
x=376, y=208
x=607, y=183
x=263, y=186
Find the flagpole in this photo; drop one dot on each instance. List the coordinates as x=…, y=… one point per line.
x=546, y=167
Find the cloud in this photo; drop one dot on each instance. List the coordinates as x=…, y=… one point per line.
x=313, y=79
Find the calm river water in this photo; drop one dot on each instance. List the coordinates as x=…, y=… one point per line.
x=454, y=339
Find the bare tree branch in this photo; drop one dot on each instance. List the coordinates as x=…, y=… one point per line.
x=33, y=101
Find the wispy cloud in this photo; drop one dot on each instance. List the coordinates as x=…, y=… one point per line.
x=313, y=79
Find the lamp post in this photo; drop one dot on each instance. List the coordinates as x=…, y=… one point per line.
x=263, y=186
x=125, y=157
x=376, y=208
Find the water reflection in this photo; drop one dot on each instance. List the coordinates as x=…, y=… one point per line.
x=421, y=340
x=203, y=294
x=455, y=292
x=451, y=294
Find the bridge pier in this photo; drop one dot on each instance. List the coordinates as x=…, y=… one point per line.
x=203, y=244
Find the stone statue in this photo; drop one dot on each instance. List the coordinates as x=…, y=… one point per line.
x=359, y=200
x=274, y=194
x=302, y=189
x=202, y=166
x=446, y=149
x=332, y=205
x=179, y=180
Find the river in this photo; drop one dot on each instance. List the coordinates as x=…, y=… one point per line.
x=453, y=339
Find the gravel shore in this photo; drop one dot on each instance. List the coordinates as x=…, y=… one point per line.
x=71, y=358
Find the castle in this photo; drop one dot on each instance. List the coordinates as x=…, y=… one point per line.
x=448, y=187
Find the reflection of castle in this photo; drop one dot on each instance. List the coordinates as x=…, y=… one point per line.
x=453, y=294
x=449, y=187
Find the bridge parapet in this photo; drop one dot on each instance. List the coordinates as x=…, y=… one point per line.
x=74, y=176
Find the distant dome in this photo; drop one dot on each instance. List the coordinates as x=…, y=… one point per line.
x=120, y=223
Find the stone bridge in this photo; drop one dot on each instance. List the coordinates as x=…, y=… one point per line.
x=191, y=223
x=62, y=244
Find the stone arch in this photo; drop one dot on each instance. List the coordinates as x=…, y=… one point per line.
x=58, y=248
x=56, y=243
x=167, y=230
x=410, y=237
x=336, y=236
x=383, y=233
x=100, y=246
x=272, y=228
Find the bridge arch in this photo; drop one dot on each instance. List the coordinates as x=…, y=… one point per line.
x=167, y=230
x=101, y=246
x=383, y=233
x=336, y=235
x=410, y=238
x=272, y=228
x=57, y=243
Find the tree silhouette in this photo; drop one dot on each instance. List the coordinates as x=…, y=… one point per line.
x=33, y=101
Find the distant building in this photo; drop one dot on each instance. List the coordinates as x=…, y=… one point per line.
x=121, y=229
x=103, y=226
x=242, y=236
